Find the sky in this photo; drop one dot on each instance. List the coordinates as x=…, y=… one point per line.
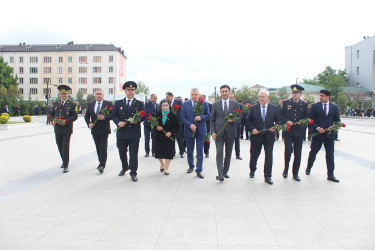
x=178, y=45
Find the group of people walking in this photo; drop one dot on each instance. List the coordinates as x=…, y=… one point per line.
x=190, y=122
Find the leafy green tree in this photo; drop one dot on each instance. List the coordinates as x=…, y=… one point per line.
x=355, y=105
x=283, y=93
x=274, y=99
x=6, y=77
x=308, y=98
x=80, y=99
x=313, y=81
x=90, y=98
x=336, y=84
x=142, y=88
x=247, y=94
x=342, y=101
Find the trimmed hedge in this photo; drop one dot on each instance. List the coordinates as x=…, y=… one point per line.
x=27, y=118
x=3, y=119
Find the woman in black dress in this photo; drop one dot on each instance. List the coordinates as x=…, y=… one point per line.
x=164, y=133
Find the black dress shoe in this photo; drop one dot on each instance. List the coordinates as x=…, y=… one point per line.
x=62, y=165
x=268, y=180
x=308, y=170
x=332, y=178
x=226, y=175
x=337, y=140
x=162, y=170
x=220, y=178
x=101, y=169
x=238, y=157
x=285, y=174
x=190, y=170
x=134, y=178
x=146, y=155
x=166, y=173
x=122, y=172
x=247, y=139
x=66, y=170
x=200, y=175
x=153, y=155
x=182, y=155
x=252, y=173
x=207, y=156
x=296, y=178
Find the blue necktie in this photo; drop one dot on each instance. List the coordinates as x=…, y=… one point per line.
x=264, y=113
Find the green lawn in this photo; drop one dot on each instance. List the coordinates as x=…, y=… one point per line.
x=14, y=122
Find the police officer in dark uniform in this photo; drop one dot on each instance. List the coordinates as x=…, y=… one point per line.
x=293, y=110
x=129, y=133
x=64, y=129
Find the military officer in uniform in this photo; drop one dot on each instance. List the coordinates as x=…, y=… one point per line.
x=129, y=133
x=67, y=110
x=293, y=110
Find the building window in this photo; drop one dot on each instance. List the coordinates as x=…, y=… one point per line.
x=33, y=70
x=60, y=70
x=34, y=80
x=70, y=59
x=82, y=80
x=83, y=91
x=47, y=80
x=60, y=59
x=70, y=70
x=96, y=69
x=97, y=59
x=60, y=80
x=110, y=91
x=97, y=80
x=11, y=59
x=47, y=70
x=357, y=54
x=33, y=91
x=82, y=70
x=111, y=80
x=33, y=59
x=20, y=70
x=94, y=89
x=47, y=59
x=45, y=91
x=21, y=59
x=357, y=71
x=110, y=58
x=110, y=70
x=20, y=80
x=83, y=59
x=21, y=91
x=70, y=80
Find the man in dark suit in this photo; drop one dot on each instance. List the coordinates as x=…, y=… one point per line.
x=63, y=131
x=324, y=114
x=36, y=110
x=49, y=110
x=16, y=110
x=101, y=128
x=6, y=109
x=220, y=110
x=189, y=118
x=129, y=132
x=293, y=110
x=261, y=116
x=151, y=107
x=179, y=136
x=206, y=146
x=237, y=140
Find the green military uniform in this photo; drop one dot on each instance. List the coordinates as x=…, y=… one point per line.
x=67, y=111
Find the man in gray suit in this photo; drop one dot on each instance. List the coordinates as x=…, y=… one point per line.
x=221, y=109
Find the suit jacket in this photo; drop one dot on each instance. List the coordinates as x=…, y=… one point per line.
x=254, y=121
x=6, y=110
x=187, y=116
x=150, y=108
x=178, y=113
x=121, y=112
x=68, y=112
x=102, y=127
x=217, y=118
x=294, y=112
x=208, y=126
x=322, y=121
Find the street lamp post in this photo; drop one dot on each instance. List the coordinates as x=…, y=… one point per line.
x=297, y=80
x=215, y=94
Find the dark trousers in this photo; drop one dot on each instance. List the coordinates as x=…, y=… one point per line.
x=48, y=120
x=237, y=141
x=101, y=143
x=147, y=132
x=180, y=142
x=293, y=145
x=255, y=149
x=133, y=144
x=190, y=144
x=329, y=145
x=242, y=129
x=223, y=142
x=206, y=147
x=63, y=144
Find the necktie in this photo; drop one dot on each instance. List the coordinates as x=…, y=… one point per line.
x=98, y=109
x=155, y=106
x=62, y=104
x=225, y=108
x=325, y=109
x=194, y=104
x=263, y=113
x=128, y=103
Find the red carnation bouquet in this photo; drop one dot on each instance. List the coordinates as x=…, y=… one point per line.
x=59, y=120
x=175, y=108
x=153, y=120
x=106, y=111
x=135, y=118
x=198, y=111
x=335, y=127
x=246, y=108
x=232, y=116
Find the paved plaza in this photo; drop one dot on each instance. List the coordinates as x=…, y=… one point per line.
x=42, y=208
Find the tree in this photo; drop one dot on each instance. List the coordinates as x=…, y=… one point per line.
x=283, y=93
x=13, y=91
x=355, y=105
x=80, y=99
x=274, y=99
x=246, y=94
x=335, y=85
x=6, y=76
x=308, y=98
x=142, y=88
x=313, y=81
x=324, y=77
x=342, y=101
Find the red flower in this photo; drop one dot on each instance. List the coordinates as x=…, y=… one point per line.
x=288, y=125
x=207, y=141
x=288, y=128
x=61, y=117
x=49, y=116
x=142, y=113
x=149, y=114
x=108, y=107
x=343, y=124
x=148, y=118
x=236, y=109
x=311, y=122
x=111, y=108
x=249, y=105
x=66, y=122
x=176, y=107
x=240, y=111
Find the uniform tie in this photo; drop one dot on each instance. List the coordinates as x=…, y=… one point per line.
x=128, y=103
